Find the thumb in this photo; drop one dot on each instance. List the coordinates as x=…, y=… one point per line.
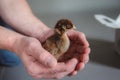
x=45, y=58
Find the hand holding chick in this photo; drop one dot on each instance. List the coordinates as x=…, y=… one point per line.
x=67, y=44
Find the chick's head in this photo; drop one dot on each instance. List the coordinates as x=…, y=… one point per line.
x=64, y=25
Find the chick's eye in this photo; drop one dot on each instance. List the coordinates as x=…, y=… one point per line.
x=59, y=24
x=68, y=26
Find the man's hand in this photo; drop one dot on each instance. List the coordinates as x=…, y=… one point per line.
x=40, y=63
x=79, y=49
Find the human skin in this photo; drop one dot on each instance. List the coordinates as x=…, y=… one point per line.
x=32, y=33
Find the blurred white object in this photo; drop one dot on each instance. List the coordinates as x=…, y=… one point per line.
x=108, y=21
x=112, y=24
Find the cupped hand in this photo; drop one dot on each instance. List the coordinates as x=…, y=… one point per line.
x=40, y=63
x=79, y=49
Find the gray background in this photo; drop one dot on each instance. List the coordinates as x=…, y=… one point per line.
x=104, y=61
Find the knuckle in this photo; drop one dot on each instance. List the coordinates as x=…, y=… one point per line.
x=43, y=58
x=32, y=42
x=28, y=41
x=29, y=44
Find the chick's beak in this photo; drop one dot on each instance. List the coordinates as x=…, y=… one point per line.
x=74, y=27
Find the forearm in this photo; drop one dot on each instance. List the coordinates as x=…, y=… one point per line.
x=18, y=14
x=8, y=38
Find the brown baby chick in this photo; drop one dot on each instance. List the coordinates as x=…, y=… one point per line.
x=59, y=43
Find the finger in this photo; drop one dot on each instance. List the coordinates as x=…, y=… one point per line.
x=83, y=58
x=69, y=66
x=30, y=64
x=45, y=58
x=78, y=36
x=80, y=49
x=33, y=67
x=82, y=38
x=75, y=52
x=73, y=73
x=61, y=70
x=46, y=72
x=84, y=55
x=72, y=64
x=87, y=50
x=52, y=72
x=80, y=66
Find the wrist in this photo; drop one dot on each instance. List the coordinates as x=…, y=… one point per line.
x=43, y=34
x=37, y=29
x=8, y=38
x=33, y=28
x=13, y=39
x=40, y=30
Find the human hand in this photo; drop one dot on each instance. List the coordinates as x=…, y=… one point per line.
x=40, y=63
x=79, y=49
